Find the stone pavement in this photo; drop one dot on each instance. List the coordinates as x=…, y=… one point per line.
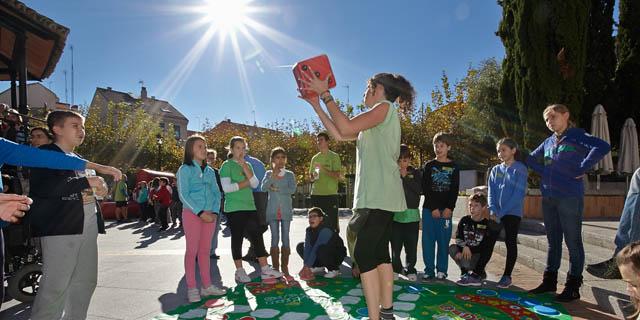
x=141, y=274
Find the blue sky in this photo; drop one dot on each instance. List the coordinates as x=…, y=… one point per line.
x=117, y=43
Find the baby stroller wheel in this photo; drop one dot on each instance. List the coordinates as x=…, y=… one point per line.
x=24, y=283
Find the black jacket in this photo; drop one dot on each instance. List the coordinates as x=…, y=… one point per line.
x=57, y=207
x=412, y=184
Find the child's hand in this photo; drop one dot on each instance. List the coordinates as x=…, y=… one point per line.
x=466, y=253
x=435, y=214
x=208, y=217
x=446, y=213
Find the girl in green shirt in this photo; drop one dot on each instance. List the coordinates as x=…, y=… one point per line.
x=237, y=179
x=378, y=187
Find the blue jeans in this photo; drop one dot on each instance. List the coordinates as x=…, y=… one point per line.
x=629, y=228
x=279, y=227
x=563, y=218
x=435, y=231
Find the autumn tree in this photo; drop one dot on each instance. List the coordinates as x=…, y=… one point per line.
x=125, y=136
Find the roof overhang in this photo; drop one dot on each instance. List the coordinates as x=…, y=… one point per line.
x=45, y=40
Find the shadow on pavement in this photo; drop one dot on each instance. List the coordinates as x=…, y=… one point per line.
x=172, y=300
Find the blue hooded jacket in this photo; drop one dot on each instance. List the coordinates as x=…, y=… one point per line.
x=560, y=160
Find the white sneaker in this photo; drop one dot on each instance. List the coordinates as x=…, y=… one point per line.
x=332, y=274
x=412, y=277
x=212, y=291
x=241, y=276
x=317, y=270
x=193, y=295
x=269, y=273
x=441, y=276
x=396, y=277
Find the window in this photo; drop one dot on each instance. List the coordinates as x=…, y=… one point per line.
x=177, y=130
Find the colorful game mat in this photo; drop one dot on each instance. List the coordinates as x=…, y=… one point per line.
x=322, y=299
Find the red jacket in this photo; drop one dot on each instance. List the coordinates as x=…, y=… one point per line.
x=163, y=196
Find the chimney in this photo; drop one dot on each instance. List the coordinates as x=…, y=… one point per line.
x=143, y=93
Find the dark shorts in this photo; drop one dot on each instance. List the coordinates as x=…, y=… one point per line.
x=328, y=204
x=372, y=240
x=120, y=204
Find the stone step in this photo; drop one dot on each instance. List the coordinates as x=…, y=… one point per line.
x=594, y=289
x=593, y=253
x=599, y=233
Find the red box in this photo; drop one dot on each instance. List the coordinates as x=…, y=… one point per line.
x=320, y=66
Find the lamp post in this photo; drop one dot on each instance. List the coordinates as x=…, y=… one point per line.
x=159, y=143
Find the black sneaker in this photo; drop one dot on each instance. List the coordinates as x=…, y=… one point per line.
x=605, y=270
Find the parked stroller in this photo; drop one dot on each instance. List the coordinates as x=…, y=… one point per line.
x=23, y=262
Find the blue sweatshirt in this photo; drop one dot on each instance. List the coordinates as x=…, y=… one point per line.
x=507, y=188
x=22, y=155
x=311, y=247
x=258, y=169
x=198, y=188
x=559, y=160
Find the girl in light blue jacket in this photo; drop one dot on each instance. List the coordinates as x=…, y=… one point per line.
x=280, y=183
x=200, y=196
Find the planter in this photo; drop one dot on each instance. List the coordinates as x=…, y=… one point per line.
x=595, y=206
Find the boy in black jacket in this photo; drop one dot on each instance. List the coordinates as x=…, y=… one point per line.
x=66, y=217
x=440, y=183
x=474, y=242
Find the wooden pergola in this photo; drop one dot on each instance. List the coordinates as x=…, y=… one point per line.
x=30, y=47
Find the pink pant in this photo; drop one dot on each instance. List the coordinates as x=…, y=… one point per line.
x=198, y=235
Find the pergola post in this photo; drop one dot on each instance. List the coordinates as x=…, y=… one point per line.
x=21, y=43
x=14, y=93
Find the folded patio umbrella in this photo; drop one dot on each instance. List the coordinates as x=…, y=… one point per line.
x=629, y=155
x=600, y=129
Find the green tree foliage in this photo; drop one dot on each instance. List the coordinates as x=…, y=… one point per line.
x=628, y=49
x=125, y=137
x=600, y=65
x=545, y=43
x=484, y=120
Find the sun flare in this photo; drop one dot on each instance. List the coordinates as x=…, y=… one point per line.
x=228, y=15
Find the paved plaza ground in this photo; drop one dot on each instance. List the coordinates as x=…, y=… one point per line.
x=141, y=274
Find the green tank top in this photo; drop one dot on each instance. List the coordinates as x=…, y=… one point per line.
x=378, y=184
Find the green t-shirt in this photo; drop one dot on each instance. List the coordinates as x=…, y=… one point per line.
x=407, y=216
x=121, y=191
x=378, y=184
x=325, y=185
x=241, y=200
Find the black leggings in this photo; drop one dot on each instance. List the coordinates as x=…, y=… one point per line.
x=404, y=235
x=372, y=242
x=511, y=226
x=241, y=222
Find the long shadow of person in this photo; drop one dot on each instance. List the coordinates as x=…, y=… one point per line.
x=150, y=234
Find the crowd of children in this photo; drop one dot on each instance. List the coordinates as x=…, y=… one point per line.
x=386, y=208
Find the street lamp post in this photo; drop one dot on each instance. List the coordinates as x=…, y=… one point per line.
x=159, y=143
